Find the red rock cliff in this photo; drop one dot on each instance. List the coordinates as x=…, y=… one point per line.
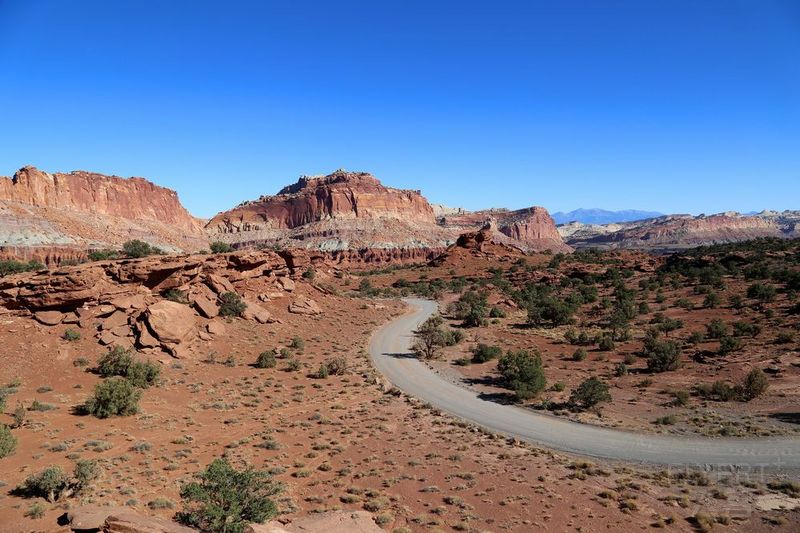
x=341, y=195
x=132, y=198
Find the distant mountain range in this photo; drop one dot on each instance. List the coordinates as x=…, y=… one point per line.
x=602, y=216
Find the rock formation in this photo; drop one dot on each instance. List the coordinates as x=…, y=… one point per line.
x=355, y=216
x=679, y=232
x=52, y=217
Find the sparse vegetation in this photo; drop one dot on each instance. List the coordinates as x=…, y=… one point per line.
x=231, y=305
x=113, y=397
x=219, y=247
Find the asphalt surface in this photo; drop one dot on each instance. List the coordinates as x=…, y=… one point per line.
x=389, y=349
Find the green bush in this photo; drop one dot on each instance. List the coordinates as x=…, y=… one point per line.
x=589, y=393
x=754, y=385
x=523, y=373
x=664, y=356
x=225, y=500
x=177, y=296
x=496, y=312
x=297, y=343
x=219, y=247
x=113, y=397
x=741, y=328
x=716, y=329
x=120, y=362
x=762, y=292
x=8, y=442
x=471, y=308
x=266, y=359
x=86, y=472
x=335, y=366
x=310, y=274
x=579, y=355
x=231, y=304
x=483, y=353
x=103, y=255
x=71, y=335
x=728, y=344
x=136, y=248
x=50, y=484
x=605, y=342
x=15, y=267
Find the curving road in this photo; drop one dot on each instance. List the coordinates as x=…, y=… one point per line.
x=389, y=349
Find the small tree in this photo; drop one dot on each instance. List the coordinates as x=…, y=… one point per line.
x=225, y=500
x=113, y=397
x=716, y=329
x=589, y=393
x=728, y=344
x=120, y=362
x=764, y=293
x=8, y=442
x=219, y=247
x=664, y=356
x=430, y=338
x=472, y=308
x=523, y=373
x=231, y=304
x=51, y=483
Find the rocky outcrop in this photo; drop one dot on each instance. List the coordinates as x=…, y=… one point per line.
x=534, y=228
x=679, y=232
x=530, y=229
x=326, y=522
x=53, y=217
x=341, y=195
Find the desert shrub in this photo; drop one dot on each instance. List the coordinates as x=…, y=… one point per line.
x=103, y=255
x=335, y=366
x=712, y=300
x=297, y=343
x=177, y=296
x=8, y=442
x=483, y=353
x=664, y=356
x=86, y=472
x=728, y=344
x=695, y=338
x=120, y=362
x=579, y=355
x=605, y=342
x=50, y=484
x=451, y=337
x=35, y=511
x=136, y=248
x=293, y=365
x=762, y=292
x=719, y=390
x=589, y=393
x=71, y=335
x=621, y=369
x=113, y=397
x=266, y=359
x=471, y=308
x=681, y=397
x=784, y=337
x=231, y=304
x=15, y=267
x=496, y=312
x=219, y=247
x=225, y=500
x=668, y=325
x=753, y=385
x=741, y=329
x=716, y=329
x=523, y=373
x=309, y=274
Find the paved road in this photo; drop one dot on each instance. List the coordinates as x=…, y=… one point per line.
x=389, y=350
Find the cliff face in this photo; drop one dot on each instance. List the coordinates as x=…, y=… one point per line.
x=353, y=210
x=45, y=215
x=341, y=195
x=677, y=232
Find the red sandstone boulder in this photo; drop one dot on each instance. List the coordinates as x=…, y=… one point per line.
x=49, y=318
x=304, y=306
x=327, y=522
x=205, y=306
x=130, y=522
x=170, y=322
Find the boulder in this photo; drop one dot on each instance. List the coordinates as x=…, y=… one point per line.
x=145, y=338
x=117, y=319
x=49, y=318
x=170, y=322
x=219, y=284
x=257, y=313
x=304, y=306
x=216, y=328
x=286, y=284
x=205, y=306
x=130, y=522
x=91, y=517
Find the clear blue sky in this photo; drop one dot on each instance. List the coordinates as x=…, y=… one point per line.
x=675, y=106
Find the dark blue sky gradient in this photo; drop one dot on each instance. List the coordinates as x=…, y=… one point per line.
x=679, y=106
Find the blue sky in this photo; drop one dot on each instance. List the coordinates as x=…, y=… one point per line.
x=679, y=106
